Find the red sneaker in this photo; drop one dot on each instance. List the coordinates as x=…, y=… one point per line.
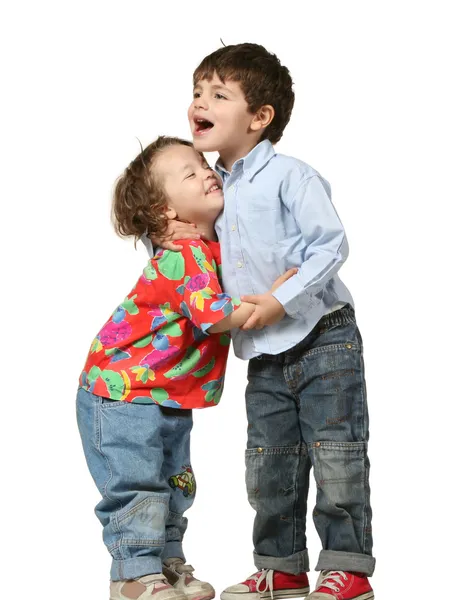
x=270, y=585
x=340, y=585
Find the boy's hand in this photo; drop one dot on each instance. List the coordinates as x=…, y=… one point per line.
x=268, y=310
x=176, y=230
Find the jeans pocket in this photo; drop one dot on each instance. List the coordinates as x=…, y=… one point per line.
x=143, y=521
x=272, y=477
x=341, y=470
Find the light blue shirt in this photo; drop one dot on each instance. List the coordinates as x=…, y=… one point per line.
x=278, y=214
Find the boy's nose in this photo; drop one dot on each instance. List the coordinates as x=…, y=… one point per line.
x=201, y=103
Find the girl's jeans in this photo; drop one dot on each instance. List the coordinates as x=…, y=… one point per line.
x=307, y=407
x=139, y=457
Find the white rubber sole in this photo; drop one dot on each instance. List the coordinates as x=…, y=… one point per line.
x=277, y=594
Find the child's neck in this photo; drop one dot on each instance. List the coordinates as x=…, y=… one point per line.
x=207, y=231
x=229, y=156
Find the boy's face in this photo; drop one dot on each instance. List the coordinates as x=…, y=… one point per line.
x=219, y=116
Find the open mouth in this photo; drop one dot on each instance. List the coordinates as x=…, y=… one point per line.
x=202, y=126
x=214, y=188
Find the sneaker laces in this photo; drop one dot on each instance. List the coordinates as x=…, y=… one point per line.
x=155, y=578
x=332, y=578
x=180, y=567
x=265, y=575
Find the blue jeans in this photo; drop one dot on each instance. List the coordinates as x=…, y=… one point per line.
x=307, y=407
x=139, y=457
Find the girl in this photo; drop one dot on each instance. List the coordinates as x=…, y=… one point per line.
x=162, y=353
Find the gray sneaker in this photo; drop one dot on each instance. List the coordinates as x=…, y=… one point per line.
x=149, y=587
x=179, y=575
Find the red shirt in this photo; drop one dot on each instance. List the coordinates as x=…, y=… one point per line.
x=154, y=347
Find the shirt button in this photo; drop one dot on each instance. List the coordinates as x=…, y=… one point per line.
x=259, y=450
x=240, y=265
x=233, y=228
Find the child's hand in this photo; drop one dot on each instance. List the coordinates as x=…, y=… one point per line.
x=282, y=278
x=176, y=230
x=268, y=311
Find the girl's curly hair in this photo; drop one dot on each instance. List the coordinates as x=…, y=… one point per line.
x=139, y=200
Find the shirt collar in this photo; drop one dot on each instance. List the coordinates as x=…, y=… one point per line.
x=251, y=164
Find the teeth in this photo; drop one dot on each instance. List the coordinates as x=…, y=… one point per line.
x=213, y=188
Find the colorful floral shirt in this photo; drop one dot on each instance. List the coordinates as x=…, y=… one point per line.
x=154, y=347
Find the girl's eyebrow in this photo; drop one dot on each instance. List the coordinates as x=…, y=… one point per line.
x=185, y=167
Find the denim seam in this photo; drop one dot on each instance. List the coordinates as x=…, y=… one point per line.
x=292, y=382
x=295, y=504
x=331, y=348
x=122, y=518
x=297, y=449
x=347, y=446
x=366, y=474
x=154, y=542
x=98, y=434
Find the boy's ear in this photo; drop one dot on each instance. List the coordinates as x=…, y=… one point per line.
x=263, y=117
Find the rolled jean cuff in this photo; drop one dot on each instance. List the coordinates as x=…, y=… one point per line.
x=173, y=550
x=295, y=563
x=132, y=568
x=331, y=560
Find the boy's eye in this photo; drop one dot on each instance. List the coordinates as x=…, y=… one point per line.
x=207, y=166
x=196, y=94
x=218, y=96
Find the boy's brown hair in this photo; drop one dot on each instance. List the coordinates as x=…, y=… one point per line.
x=261, y=76
x=139, y=201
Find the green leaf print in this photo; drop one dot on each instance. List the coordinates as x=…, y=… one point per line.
x=171, y=329
x=114, y=383
x=168, y=312
x=159, y=395
x=225, y=339
x=93, y=374
x=143, y=342
x=199, y=257
x=206, y=369
x=129, y=305
x=143, y=373
x=172, y=265
x=191, y=358
x=213, y=396
x=150, y=272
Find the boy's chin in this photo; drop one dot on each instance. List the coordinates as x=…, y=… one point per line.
x=204, y=145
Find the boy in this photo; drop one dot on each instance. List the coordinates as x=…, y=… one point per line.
x=306, y=396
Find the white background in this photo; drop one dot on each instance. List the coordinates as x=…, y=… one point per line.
x=381, y=112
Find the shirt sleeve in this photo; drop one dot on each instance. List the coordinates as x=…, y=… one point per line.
x=192, y=284
x=327, y=246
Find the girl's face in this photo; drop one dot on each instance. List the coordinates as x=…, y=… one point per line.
x=193, y=189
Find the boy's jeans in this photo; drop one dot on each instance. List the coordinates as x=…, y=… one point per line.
x=139, y=457
x=307, y=406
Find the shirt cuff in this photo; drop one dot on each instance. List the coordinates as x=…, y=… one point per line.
x=294, y=298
